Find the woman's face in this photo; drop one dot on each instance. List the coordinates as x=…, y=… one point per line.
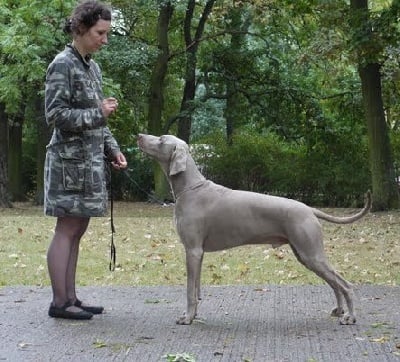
x=95, y=37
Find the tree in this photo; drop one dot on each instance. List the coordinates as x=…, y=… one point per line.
x=369, y=49
x=15, y=156
x=192, y=43
x=156, y=93
x=4, y=196
x=238, y=26
x=259, y=66
x=43, y=136
x=159, y=74
x=30, y=37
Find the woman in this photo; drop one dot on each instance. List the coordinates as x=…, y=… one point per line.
x=75, y=177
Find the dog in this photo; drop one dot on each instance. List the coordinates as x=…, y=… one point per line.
x=210, y=217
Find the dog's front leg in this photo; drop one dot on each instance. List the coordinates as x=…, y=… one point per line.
x=194, y=259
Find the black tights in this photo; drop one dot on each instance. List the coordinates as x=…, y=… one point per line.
x=62, y=257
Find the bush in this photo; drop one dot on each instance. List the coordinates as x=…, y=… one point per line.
x=327, y=174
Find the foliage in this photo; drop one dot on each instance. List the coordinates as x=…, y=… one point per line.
x=292, y=75
x=30, y=34
x=395, y=142
x=126, y=77
x=322, y=175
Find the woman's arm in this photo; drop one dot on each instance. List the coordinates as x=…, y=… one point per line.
x=59, y=92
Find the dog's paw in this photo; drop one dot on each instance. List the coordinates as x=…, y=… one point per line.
x=337, y=312
x=347, y=320
x=184, y=320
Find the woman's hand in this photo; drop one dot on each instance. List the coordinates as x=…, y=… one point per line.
x=119, y=161
x=109, y=106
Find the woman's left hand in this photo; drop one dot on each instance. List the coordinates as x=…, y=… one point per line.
x=119, y=162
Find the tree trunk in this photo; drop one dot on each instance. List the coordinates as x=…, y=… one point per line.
x=192, y=44
x=4, y=195
x=384, y=187
x=189, y=91
x=15, y=159
x=238, y=26
x=156, y=99
x=43, y=137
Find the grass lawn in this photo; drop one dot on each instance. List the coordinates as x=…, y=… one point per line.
x=149, y=251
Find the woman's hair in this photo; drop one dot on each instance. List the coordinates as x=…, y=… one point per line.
x=85, y=15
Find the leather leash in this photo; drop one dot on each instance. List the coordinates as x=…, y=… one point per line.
x=113, y=251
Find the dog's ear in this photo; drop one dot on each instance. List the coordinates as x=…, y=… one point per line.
x=178, y=160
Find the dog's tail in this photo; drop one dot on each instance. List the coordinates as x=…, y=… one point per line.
x=346, y=219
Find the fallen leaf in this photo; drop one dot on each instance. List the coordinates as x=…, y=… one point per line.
x=377, y=325
x=99, y=344
x=179, y=357
x=382, y=339
x=24, y=345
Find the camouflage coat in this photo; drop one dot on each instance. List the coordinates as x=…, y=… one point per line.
x=75, y=169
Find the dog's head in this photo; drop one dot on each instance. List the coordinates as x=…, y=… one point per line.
x=170, y=151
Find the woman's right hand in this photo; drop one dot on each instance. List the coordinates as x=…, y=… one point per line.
x=109, y=106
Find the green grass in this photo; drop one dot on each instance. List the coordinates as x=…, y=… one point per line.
x=149, y=251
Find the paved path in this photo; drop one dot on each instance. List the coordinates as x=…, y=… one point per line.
x=236, y=324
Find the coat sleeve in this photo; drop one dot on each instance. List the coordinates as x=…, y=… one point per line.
x=111, y=148
x=59, y=109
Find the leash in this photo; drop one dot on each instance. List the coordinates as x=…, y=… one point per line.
x=113, y=250
x=125, y=172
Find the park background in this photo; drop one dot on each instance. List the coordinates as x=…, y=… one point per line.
x=293, y=98
x=299, y=99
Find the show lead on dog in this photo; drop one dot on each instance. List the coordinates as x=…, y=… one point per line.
x=75, y=169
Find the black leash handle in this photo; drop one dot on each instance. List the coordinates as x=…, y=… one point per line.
x=113, y=251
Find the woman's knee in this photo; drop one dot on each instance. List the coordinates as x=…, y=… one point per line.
x=73, y=227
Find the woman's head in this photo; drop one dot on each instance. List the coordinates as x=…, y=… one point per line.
x=89, y=25
x=85, y=15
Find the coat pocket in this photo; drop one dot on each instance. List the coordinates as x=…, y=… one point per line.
x=73, y=171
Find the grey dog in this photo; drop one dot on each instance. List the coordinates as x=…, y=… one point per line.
x=211, y=217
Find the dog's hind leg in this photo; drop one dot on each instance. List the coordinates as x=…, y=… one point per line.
x=194, y=258
x=318, y=263
x=342, y=289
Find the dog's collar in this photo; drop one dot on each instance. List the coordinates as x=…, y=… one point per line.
x=195, y=186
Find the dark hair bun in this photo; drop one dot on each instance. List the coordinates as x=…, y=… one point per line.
x=67, y=26
x=86, y=15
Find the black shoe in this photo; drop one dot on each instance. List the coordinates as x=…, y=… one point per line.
x=88, y=308
x=62, y=312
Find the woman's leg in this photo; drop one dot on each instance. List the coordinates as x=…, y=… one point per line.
x=62, y=256
x=73, y=260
